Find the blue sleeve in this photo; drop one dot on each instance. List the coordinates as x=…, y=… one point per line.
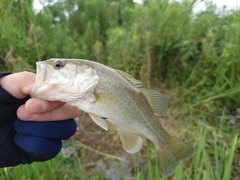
x=10, y=153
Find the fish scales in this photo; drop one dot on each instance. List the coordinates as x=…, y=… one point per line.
x=111, y=95
x=107, y=85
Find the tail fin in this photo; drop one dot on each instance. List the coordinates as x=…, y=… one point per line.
x=172, y=154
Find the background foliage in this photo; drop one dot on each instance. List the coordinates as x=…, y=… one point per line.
x=193, y=58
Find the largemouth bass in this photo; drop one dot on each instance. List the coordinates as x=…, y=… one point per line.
x=112, y=95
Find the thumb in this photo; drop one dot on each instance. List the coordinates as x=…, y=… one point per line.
x=18, y=84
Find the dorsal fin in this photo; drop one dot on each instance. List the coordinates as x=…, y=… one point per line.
x=156, y=101
x=130, y=79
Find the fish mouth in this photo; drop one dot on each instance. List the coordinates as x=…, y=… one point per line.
x=41, y=74
x=41, y=71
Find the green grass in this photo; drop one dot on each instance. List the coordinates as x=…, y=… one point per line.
x=162, y=44
x=215, y=159
x=57, y=168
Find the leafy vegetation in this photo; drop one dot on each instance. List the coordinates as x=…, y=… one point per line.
x=191, y=57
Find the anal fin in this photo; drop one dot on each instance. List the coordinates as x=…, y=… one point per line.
x=99, y=121
x=131, y=142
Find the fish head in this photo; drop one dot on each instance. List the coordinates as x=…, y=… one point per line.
x=64, y=80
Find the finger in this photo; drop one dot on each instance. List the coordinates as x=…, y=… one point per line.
x=36, y=106
x=65, y=111
x=18, y=84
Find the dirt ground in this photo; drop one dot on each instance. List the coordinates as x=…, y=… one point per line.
x=108, y=142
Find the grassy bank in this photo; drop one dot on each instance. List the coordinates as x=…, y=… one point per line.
x=216, y=158
x=192, y=58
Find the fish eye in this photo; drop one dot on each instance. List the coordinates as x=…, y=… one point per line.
x=58, y=64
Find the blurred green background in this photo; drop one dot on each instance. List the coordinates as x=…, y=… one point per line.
x=193, y=58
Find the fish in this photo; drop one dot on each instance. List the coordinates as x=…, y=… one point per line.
x=112, y=96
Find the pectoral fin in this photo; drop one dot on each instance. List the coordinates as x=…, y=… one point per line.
x=99, y=121
x=106, y=99
x=131, y=142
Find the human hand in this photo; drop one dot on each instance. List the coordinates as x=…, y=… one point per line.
x=19, y=85
x=27, y=141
